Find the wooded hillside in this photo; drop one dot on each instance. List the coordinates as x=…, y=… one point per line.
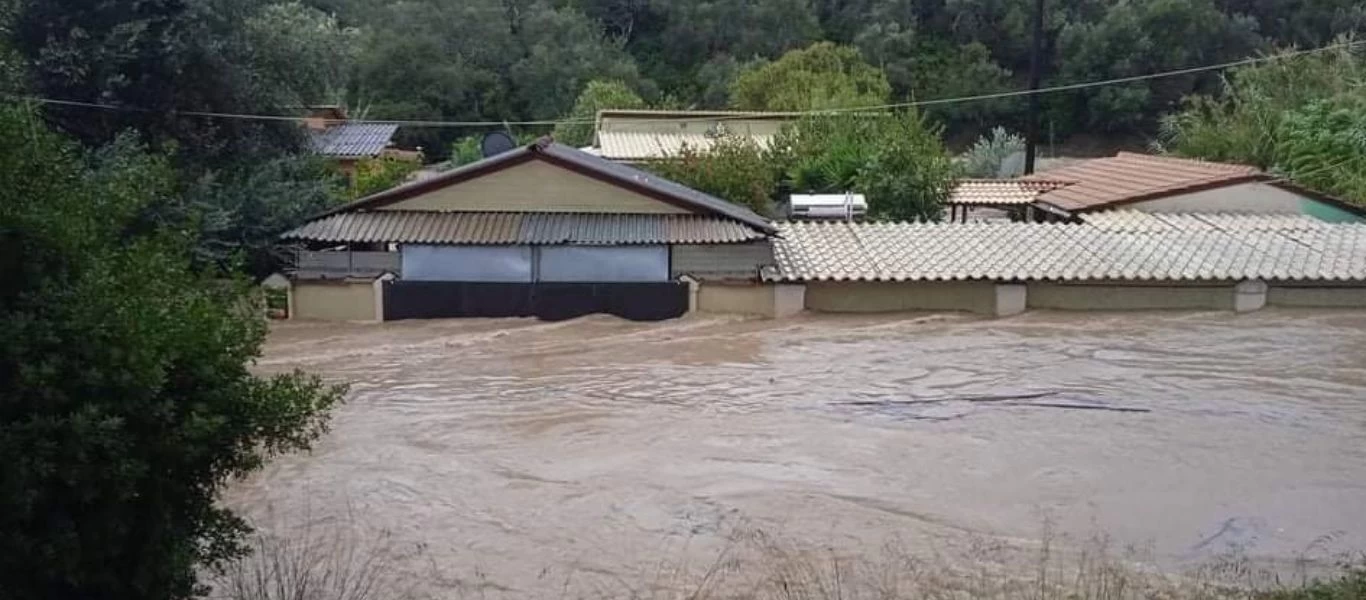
x=529, y=59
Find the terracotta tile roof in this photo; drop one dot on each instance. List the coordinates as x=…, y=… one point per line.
x=1000, y=191
x=421, y=227
x=1130, y=177
x=1064, y=252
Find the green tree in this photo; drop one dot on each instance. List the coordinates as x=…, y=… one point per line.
x=1241, y=123
x=126, y=401
x=303, y=53
x=896, y=159
x=819, y=77
x=1303, y=117
x=1323, y=146
x=1138, y=38
x=597, y=95
x=159, y=59
x=563, y=51
x=378, y=174
x=910, y=175
x=732, y=168
x=923, y=68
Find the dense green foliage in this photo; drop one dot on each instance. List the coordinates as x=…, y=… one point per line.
x=1303, y=117
x=378, y=174
x=245, y=181
x=733, y=168
x=125, y=398
x=493, y=60
x=577, y=131
x=823, y=76
x=896, y=159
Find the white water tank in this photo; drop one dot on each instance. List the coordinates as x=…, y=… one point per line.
x=846, y=206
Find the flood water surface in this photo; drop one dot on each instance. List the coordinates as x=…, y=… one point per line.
x=524, y=451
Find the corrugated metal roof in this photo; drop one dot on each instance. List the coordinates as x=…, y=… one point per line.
x=1128, y=177
x=1000, y=191
x=1063, y=252
x=650, y=145
x=353, y=140
x=420, y=227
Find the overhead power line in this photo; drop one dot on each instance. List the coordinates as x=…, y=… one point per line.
x=917, y=103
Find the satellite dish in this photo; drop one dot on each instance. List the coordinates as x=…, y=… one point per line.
x=496, y=142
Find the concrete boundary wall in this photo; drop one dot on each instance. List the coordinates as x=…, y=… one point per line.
x=874, y=296
x=1131, y=296
x=1317, y=295
x=762, y=299
x=333, y=300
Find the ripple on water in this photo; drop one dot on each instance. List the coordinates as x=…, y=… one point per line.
x=512, y=447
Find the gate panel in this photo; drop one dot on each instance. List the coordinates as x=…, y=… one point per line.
x=549, y=301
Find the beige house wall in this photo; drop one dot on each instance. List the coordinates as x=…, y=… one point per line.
x=761, y=299
x=868, y=297
x=1112, y=296
x=333, y=300
x=1247, y=198
x=1325, y=297
x=536, y=186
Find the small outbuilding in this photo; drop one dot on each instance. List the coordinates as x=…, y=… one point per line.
x=543, y=230
x=1165, y=184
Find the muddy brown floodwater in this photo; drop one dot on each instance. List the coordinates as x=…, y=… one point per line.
x=522, y=453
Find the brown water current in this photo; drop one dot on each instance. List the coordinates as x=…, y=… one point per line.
x=529, y=452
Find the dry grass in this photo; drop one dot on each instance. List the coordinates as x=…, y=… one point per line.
x=755, y=565
x=339, y=565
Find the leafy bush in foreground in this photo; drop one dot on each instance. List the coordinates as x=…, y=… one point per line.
x=126, y=402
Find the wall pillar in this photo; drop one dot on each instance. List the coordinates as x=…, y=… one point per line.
x=379, y=295
x=1249, y=295
x=693, y=289
x=788, y=299
x=1011, y=299
x=289, y=300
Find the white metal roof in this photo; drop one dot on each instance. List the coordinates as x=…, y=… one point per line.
x=842, y=251
x=653, y=145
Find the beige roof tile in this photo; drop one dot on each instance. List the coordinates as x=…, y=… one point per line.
x=1000, y=191
x=650, y=145
x=840, y=251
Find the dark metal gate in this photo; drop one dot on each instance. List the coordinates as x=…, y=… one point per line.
x=549, y=301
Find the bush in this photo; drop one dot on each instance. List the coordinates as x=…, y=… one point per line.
x=896, y=159
x=733, y=168
x=995, y=155
x=127, y=402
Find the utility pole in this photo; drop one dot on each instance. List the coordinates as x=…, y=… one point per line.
x=1035, y=70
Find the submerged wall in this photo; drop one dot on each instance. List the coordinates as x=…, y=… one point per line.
x=334, y=300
